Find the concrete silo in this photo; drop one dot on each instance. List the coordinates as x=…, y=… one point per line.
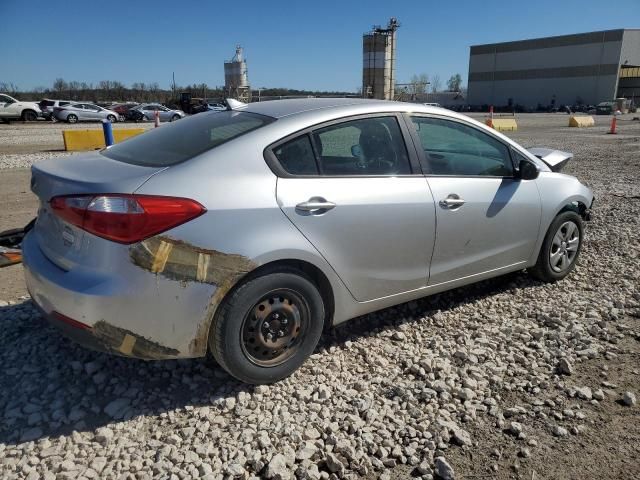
x=236, y=80
x=379, y=56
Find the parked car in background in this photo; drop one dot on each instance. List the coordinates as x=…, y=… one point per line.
x=84, y=112
x=605, y=108
x=432, y=105
x=122, y=108
x=12, y=109
x=147, y=112
x=244, y=233
x=46, y=106
x=216, y=107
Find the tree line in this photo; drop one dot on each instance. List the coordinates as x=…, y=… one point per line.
x=116, y=91
x=422, y=83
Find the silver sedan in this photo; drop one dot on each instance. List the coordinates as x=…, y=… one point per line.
x=84, y=112
x=244, y=233
x=147, y=111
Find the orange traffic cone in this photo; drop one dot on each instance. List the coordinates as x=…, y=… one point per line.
x=613, y=126
x=157, y=118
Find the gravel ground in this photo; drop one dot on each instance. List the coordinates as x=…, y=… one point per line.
x=508, y=378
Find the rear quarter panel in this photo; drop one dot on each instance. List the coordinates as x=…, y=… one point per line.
x=242, y=229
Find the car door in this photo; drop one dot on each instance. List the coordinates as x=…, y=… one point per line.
x=165, y=114
x=149, y=112
x=92, y=112
x=487, y=218
x=356, y=193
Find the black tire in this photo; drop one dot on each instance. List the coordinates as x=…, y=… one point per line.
x=112, y=118
x=175, y=117
x=543, y=269
x=72, y=118
x=29, y=116
x=236, y=316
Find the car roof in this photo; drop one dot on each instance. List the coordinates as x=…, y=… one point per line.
x=284, y=108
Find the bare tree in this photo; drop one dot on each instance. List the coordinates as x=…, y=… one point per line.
x=419, y=83
x=60, y=86
x=436, y=83
x=454, y=83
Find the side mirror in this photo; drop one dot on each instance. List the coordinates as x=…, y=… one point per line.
x=527, y=170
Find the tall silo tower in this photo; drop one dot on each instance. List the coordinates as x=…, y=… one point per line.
x=379, y=57
x=236, y=81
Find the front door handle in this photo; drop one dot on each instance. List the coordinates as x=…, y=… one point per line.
x=452, y=202
x=315, y=205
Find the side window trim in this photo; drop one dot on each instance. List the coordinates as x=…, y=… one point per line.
x=406, y=137
x=424, y=163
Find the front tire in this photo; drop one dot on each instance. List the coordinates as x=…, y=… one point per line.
x=268, y=326
x=112, y=119
x=561, y=248
x=175, y=117
x=29, y=116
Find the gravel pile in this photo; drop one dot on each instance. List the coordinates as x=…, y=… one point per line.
x=386, y=395
x=25, y=160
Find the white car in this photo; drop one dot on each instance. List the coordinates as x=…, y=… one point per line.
x=12, y=109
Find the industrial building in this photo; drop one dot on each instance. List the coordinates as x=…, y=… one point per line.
x=378, y=66
x=236, y=79
x=585, y=68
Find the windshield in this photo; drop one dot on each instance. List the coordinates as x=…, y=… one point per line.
x=180, y=141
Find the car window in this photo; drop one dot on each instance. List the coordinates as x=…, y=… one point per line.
x=62, y=104
x=92, y=107
x=296, y=156
x=453, y=148
x=5, y=99
x=180, y=141
x=78, y=105
x=370, y=146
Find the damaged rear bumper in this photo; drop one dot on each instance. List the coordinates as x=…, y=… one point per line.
x=126, y=311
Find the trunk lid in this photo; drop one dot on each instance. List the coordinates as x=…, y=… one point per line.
x=92, y=172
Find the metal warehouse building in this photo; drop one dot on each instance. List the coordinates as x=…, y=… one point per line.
x=585, y=68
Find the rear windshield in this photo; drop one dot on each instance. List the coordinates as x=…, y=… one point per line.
x=46, y=103
x=179, y=141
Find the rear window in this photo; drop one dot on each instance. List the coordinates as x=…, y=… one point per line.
x=46, y=103
x=180, y=141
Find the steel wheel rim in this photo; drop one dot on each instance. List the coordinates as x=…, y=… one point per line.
x=274, y=327
x=564, y=247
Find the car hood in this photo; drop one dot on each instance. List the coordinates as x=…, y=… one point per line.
x=32, y=105
x=555, y=159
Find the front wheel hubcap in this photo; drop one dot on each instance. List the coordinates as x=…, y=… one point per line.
x=564, y=247
x=274, y=327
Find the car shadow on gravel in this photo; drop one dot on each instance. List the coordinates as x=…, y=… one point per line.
x=51, y=387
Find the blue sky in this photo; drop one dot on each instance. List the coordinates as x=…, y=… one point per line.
x=306, y=45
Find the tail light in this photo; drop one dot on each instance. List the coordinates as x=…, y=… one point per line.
x=125, y=218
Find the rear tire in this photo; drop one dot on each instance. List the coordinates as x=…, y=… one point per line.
x=29, y=116
x=72, y=118
x=561, y=248
x=268, y=326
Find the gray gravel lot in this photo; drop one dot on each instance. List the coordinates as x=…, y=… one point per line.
x=508, y=378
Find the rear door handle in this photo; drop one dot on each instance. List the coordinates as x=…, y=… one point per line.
x=452, y=202
x=315, y=205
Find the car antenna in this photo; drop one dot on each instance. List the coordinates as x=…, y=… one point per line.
x=234, y=104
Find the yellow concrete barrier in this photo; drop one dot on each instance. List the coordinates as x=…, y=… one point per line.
x=502, y=124
x=82, y=140
x=581, y=121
